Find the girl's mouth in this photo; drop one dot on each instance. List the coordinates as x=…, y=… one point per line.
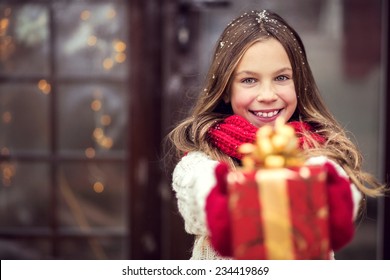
x=266, y=113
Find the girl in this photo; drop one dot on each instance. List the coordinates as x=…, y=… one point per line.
x=259, y=72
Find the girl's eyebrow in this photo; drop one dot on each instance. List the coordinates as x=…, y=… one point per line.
x=251, y=73
x=247, y=72
x=284, y=69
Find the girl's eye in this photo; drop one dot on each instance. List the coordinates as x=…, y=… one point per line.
x=248, y=80
x=281, y=78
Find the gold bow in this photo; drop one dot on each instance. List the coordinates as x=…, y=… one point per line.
x=275, y=147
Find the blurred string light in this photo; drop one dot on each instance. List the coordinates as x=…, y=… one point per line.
x=117, y=49
x=7, y=45
x=8, y=171
x=4, y=151
x=6, y=120
x=103, y=121
x=96, y=105
x=90, y=152
x=111, y=13
x=85, y=15
x=113, y=54
x=117, y=55
x=97, y=178
x=92, y=40
x=44, y=86
x=98, y=187
x=4, y=24
x=6, y=117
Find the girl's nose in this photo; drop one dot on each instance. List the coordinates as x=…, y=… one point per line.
x=266, y=94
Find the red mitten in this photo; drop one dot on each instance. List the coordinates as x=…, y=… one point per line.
x=217, y=213
x=340, y=209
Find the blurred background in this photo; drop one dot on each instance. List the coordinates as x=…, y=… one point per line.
x=89, y=89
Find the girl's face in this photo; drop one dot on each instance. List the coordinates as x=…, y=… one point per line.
x=262, y=86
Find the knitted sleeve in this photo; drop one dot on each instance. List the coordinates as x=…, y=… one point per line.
x=356, y=195
x=192, y=180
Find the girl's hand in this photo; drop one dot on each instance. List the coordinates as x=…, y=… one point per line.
x=217, y=213
x=341, y=225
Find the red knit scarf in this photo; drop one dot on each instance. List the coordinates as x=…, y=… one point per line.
x=235, y=130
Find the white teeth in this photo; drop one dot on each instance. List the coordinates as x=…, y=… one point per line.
x=266, y=115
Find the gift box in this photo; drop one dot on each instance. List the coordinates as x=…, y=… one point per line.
x=278, y=207
x=279, y=213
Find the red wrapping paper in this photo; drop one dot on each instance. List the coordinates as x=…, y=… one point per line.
x=279, y=213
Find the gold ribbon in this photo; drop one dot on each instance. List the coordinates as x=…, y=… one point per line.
x=275, y=212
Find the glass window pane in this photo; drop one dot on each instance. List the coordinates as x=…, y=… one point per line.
x=92, y=119
x=24, y=195
x=24, y=119
x=24, y=40
x=92, y=196
x=93, y=248
x=89, y=42
x=24, y=249
x=91, y=39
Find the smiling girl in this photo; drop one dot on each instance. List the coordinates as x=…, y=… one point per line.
x=262, y=87
x=259, y=72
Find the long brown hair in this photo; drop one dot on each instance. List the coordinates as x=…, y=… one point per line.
x=210, y=108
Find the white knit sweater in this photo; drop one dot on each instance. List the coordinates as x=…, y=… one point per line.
x=193, y=179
